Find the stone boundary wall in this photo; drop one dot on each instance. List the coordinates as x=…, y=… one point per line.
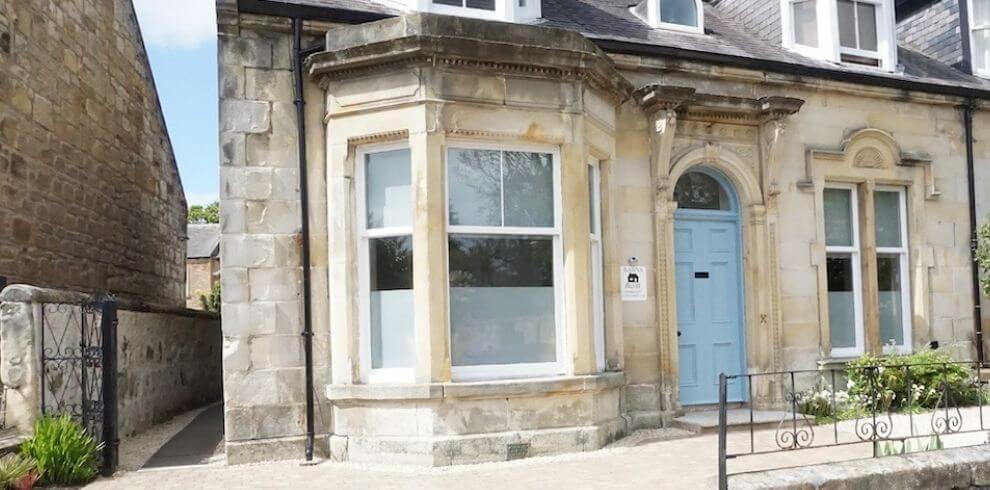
x=958, y=468
x=168, y=359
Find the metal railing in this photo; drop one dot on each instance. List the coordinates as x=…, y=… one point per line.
x=881, y=405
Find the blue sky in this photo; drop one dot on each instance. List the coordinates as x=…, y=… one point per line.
x=180, y=36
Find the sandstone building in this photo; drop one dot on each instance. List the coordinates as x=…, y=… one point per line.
x=90, y=196
x=202, y=262
x=524, y=227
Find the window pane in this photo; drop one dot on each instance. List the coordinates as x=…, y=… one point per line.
x=387, y=189
x=806, y=23
x=391, y=316
x=696, y=190
x=593, y=200
x=888, y=218
x=475, y=180
x=981, y=12
x=867, y=20
x=683, y=12
x=847, y=23
x=891, y=299
x=981, y=49
x=480, y=4
x=841, y=300
x=501, y=300
x=528, y=196
x=838, y=217
x=455, y=3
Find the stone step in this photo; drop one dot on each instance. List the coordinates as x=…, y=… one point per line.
x=706, y=422
x=10, y=441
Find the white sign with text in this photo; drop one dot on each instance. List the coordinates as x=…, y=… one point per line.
x=633, y=282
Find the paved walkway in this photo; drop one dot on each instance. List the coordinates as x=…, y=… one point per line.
x=198, y=443
x=646, y=460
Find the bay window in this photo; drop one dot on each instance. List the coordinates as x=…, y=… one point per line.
x=385, y=262
x=504, y=262
x=979, y=20
x=892, y=268
x=842, y=265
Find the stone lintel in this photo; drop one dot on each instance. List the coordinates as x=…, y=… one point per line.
x=476, y=389
x=458, y=42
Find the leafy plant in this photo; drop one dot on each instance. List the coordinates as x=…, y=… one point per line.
x=884, y=381
x=204, y=214
x=64, y=452
x=211, y=302
x=18, y=471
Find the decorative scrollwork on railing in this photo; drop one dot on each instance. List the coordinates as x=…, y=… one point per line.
x=947, y=418
x=795, y=430
x=870, y=429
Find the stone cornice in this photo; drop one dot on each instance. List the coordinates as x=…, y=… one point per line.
x=690, y=104
x=461, y=43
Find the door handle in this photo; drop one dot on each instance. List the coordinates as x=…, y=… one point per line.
x=678, y=333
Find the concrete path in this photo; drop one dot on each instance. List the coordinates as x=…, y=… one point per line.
x=198, y=443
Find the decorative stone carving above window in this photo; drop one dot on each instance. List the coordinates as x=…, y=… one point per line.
x=869, y=158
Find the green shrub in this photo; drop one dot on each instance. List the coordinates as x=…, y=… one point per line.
x=65, y=454
x=211, y=302
x=930, y=371
x=17, y=471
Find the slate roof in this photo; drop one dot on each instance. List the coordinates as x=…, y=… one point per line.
x=612, y=21
x=204, y=241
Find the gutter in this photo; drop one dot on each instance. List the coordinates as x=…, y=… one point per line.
x=968, y=110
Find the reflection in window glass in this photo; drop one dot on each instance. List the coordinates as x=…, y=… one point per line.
x=391, y=316
x=387, y=189
x=891, y=299
x=847, y=23
x=528, y=194
x=681, y=12
x=866, y=20
x=857, y=25
x=805, y=17
x=838, y=217
x=887, y=207
x=981, y=49
x=475, y=186
x=480, y=4
x=841, y=300
x=501, y=300
x=696, y=190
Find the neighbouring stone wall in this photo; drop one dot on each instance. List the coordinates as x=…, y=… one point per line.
x=168, y=359
x=201, y=274
x=935, y=31
x=92, y=199
x=168, y=362
x=261, y=241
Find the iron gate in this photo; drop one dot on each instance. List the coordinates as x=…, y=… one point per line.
x=79, y=367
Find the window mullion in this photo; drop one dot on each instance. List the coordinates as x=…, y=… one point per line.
x=501, y=184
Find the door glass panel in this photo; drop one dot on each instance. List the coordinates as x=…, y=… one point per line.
x=391, y=316
x=696, y=190
x=841, y=300
x=891, y=299
x=888, y=218
x=806, y=23
x=389, y=200
x=528, y=194
x=683, y=12
x=838, y=217
x=867, y=20
x=475, y=187
x=847, y=24
x=501, y=300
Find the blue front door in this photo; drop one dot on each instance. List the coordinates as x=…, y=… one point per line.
x=709, y=309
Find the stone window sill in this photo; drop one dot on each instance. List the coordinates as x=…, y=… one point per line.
x=476, y=389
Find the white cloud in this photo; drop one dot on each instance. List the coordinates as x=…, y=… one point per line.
x=184, y=24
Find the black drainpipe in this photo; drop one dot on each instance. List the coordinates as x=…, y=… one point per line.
x=968, y=111
x=298, y=55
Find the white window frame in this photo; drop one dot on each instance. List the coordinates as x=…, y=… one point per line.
x=973, y=27
x=829, y=48
x=854, y=252
x=653, y=12
x=525, y=370
x=597, y=261
x=364, y=235
x=903, y=252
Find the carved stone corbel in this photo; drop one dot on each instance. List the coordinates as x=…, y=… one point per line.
x=660, y=103
x=773, y=119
